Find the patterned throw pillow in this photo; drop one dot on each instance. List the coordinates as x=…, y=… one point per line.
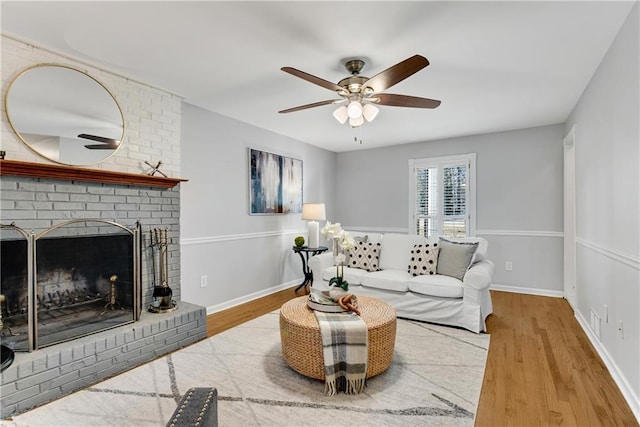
x=365, y=256
x=424, y=259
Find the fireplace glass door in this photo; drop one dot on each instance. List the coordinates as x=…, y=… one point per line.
x=85, y=280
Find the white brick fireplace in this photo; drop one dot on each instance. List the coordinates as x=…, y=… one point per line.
x=35, y=202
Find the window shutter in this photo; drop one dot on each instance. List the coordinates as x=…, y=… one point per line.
x=454, y=201
x=441, y=199
x=426, y=201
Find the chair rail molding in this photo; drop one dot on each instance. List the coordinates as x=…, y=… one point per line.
x=520, y=233
x=621, y=257
x=234, y=237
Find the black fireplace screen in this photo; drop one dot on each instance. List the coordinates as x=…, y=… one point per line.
x=85, y=280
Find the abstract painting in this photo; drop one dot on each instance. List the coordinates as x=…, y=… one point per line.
x=275, y=183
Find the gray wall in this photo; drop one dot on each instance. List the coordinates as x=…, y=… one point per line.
x=519, y=198
x=242, y=255
x=608, y=205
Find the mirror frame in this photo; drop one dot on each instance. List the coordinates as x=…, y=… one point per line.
x=19, y=135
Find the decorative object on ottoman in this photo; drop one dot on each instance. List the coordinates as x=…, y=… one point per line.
x=333, y=301
x=198, y=407
x=299, y=241
x=342, y=241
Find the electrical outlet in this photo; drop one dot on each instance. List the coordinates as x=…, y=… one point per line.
x=508, y=266
x=203, y=281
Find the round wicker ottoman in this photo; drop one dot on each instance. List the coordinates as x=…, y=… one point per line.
x=302, y=344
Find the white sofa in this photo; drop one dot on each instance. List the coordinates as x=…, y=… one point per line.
x=436, y=297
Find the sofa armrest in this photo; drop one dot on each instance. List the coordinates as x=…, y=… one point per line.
x=477, y=280
x=319, y=263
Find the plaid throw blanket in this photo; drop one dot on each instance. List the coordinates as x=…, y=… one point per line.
x=344, y=347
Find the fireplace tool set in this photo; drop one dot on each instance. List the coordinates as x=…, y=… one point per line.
x=162, y=294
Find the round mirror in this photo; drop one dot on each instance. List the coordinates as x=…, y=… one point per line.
x=64, y=115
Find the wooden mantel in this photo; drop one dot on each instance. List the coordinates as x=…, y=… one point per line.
x=71, y=173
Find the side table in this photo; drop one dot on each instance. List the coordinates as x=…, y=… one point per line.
x=304, y=252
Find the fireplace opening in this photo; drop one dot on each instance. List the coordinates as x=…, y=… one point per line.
x=83, y=279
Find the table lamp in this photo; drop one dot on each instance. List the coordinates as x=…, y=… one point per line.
x=313, y=212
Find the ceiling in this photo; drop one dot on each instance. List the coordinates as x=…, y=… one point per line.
x=494, y=65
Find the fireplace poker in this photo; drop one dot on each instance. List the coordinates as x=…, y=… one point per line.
x=160, y=259
x=165, y=259
x=153, y=259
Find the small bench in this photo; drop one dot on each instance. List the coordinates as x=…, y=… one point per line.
x=198, y=407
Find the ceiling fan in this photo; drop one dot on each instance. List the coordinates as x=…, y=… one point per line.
x=361, y=93
x=107, y=143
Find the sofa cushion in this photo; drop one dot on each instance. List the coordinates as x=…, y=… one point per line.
x=352, y=275
x=454, y=258
x=436, y=285
x=396, y=248
x=424, y=259
x=391, y=280
x=365, y=256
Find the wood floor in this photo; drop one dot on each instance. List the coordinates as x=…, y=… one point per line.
x=541, y=368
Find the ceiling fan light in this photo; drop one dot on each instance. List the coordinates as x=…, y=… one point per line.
x=341, y=114
x=370, y=112
x=354, y=110
x=358, y=121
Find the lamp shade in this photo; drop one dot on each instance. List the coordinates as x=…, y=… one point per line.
x=356, y=122
x=370, y=112
x=354, y=109
x=313, y=211
x=341, y=114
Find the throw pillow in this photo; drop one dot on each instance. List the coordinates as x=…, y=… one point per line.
x=365, y=256
x=454, y=258
x=424, y=259
x=363, y=239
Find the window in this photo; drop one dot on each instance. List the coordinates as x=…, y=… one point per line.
x=442, y=196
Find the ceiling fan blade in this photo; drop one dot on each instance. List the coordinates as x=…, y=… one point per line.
x=99, y=138
x=313, y=79
x=315, y=104
x=101, y=146
x=406, y=101
x=396, y=73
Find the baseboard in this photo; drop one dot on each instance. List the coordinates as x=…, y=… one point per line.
x=612, y=367
x=250, y=297
x=530, y=291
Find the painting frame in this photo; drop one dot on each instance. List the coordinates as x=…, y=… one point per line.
x=275, y=183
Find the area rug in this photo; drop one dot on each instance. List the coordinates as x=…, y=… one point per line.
x=435, y=379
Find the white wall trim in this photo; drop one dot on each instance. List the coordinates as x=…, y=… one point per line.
x=380, y=230
x=520, y=233
x=529, y=291
x=621, y=257
x=250, y=297
x=234, y=237
x=614, y=370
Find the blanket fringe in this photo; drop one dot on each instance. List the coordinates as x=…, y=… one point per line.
x=351, y=386
x=355, y=386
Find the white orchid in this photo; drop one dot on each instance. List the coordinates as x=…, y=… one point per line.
x=346, y=242
x=331, y=231
x=343, y=240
